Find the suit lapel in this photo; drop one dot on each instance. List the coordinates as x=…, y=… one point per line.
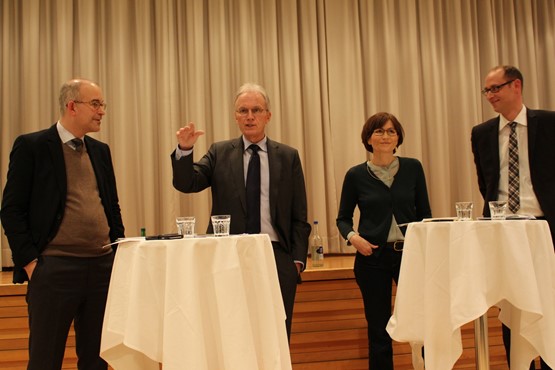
x=493, y=137
x=55, y=150
x=237, y=172
x=532, y=132
x=275, y=169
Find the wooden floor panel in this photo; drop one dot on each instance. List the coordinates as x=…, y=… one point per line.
x=329, y=328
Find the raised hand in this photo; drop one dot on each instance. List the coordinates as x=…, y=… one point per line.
x=187, y=136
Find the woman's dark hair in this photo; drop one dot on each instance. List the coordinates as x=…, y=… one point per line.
x=377, y=121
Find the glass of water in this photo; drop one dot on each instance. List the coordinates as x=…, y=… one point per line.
x=464, y=211
x=220, y=224
x=186, y=226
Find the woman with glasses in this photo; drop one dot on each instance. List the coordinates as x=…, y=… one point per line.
x=389, y=191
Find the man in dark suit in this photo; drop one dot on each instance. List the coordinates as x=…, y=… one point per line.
x=280, y=208
x=60, y=210
x=535, y=138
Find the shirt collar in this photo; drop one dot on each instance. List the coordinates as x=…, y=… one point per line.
x=263, y=144
x=520, y=119
x=65, y=135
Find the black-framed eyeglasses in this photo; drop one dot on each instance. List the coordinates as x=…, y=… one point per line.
x=95, y=104
x=381, y=132
x=495, y=88
x=255, y=111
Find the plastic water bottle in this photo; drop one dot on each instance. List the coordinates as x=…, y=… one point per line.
x=316, y=247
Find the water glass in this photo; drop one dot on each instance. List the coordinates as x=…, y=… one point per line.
x=464, y=211
x=220, y=224
x=498, y=209
x=186, y=226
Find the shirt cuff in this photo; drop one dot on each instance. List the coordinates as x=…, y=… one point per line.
x=179, y=153
x=302, y=264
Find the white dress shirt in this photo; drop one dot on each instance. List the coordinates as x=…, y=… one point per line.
x=529, y=204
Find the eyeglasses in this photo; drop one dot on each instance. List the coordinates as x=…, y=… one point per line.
x=95, y=104
x=255, y=111
x=381, y=132
x=495, y=88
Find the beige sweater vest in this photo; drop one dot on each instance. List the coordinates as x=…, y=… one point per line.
x=84, y=230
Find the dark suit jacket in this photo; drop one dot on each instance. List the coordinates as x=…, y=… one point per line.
x=541, y=153
x=222, y=170
x=34, y=198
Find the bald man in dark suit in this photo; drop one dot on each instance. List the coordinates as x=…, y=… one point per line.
x=282, y=208
x=60, y=210
x=535, y=132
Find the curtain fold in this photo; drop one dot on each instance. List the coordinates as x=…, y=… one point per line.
x=326, y=64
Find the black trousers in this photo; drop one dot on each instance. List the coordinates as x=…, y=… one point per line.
x=63, y=290
x=507, y=343
x=288, y=278
x=374, y=275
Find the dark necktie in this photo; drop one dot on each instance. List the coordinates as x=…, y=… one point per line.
x=514, y=179
x=78, y=144
x=253, y=191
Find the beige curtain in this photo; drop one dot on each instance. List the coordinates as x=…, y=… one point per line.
x=327, y=65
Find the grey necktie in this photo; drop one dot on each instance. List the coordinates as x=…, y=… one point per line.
x=514, y=179
x=78, y=143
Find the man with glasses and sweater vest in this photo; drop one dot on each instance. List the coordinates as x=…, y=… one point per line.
x=60, y=210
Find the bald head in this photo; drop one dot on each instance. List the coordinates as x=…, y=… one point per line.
x=82, y=106
x=71, y=91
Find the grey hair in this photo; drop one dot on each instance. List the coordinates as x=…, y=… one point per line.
x=69, y=91
x=251, y=87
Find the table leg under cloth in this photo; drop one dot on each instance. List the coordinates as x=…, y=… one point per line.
x=481, y=342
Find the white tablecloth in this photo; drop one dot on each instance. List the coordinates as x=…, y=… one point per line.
x=203, y=304
x=452, y=272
